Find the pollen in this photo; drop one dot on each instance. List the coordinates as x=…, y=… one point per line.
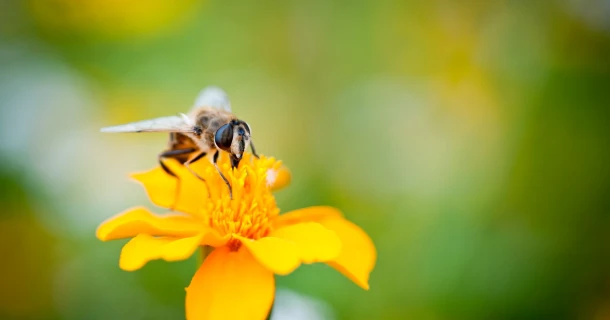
x=250, y=212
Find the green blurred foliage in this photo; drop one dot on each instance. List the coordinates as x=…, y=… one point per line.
x=470, y=140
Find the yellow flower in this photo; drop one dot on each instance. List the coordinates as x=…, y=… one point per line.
x=251, y=241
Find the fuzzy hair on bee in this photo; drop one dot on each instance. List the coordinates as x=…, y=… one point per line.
x=208, y=128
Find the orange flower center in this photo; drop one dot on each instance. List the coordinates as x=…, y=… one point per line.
x=253, y=207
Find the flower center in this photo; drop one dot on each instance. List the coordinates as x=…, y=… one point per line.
x=250, y=211
x=246, y=217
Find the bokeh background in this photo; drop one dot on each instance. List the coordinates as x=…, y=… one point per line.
x=470, y=140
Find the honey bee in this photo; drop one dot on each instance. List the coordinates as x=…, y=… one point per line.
x=209, y=127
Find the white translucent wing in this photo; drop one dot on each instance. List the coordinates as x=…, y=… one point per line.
x=163, y=124
x=213, y=97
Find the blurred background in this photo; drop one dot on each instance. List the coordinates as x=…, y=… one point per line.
x=470, y=140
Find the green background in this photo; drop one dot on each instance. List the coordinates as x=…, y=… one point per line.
x=469, y=140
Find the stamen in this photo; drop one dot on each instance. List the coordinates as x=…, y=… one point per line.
x=253, y=206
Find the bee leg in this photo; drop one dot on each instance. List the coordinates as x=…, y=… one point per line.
x=170, y=154
x=222, y=175
x=253, y=149
x=196, y=158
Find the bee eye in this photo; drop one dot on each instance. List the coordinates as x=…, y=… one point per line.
x=247, y=127
x=224, y=137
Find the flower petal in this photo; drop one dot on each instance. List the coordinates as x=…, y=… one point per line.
x=183, y=194
x=315, y=242
x=358, y=253
x=143, y=248
x=230, y=285
x=314, y=214
x=139, y=220
x=277, y=255
x=278, y=178
x=160, y=187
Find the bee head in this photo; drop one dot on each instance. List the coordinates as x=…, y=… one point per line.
x=234, y=138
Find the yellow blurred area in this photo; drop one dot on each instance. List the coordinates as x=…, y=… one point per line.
x=109, y=19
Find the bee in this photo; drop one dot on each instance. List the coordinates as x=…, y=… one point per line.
x=210, y=127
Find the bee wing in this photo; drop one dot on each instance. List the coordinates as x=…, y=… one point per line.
x=213, y=97
x=163, y=124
